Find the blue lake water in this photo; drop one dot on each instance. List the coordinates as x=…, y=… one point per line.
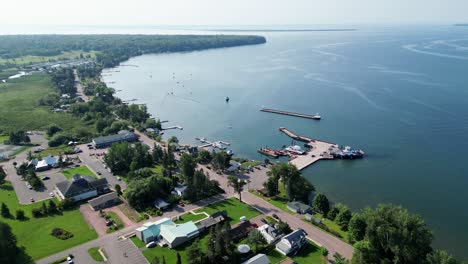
x=399, y=94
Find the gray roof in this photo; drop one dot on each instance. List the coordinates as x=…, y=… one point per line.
x=295, y=236
x=103, y=199
x=298, y=206
x=258, y=259
x=80, y=184
x=121, y=136
x=160, y=203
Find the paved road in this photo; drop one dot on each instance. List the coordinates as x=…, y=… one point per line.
x=79, y=87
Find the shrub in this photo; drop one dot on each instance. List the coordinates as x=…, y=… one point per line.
x=20, y=215
x=37, y=212
x=61, y=233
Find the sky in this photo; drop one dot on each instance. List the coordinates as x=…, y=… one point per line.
x=231, y=12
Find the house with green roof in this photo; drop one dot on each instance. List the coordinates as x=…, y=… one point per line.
x=166, y=232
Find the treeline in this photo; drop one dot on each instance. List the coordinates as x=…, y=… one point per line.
x=113, y=49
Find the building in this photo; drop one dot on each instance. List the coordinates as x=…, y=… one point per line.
x=299, y=207
x=258, y=259
x=104, y=201
x=292, y=243
x=166, y=232
x=179, y=190
x=81, y=187
x=234, y=166
x=210, y=221
x=46, y=163
x=241, y=230
x=107, y=141
x=161, y=204
x=270, y=233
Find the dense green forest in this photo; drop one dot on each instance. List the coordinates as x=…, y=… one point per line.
x=113, y=49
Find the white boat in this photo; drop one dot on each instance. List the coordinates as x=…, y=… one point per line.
x=295, y=149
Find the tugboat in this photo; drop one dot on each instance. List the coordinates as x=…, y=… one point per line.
x=348, y=153
x=227, y=99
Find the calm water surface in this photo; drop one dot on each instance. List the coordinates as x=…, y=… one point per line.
x=399, y=94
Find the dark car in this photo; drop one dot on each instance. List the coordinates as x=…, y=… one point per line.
x=99, y=173
x=275, y=216
x=264, y=221
x=45, y=178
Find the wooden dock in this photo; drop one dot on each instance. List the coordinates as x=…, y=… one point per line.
x=281, y=112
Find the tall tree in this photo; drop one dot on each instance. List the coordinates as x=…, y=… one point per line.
x=5, y=211
x=2, y=175
x=9, y=251
x=440, y=257
x=237, y=184
x=187, y=167
x=321, y=204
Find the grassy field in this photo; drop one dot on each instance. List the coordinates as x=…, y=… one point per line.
x=274, y=256
x=7, y=73
x=138, y=243
x=83, y=170
x=310, y=255
x=187, y=217
x=117, y=221
x=252, y=163
x=55, y=151
x=34, y=233
x=26, y=60
x=4, y=138
x=19, y=109
x=332, y=226
x=234, y=207
x=171, y=254
x=94, y=253
x=279, y=200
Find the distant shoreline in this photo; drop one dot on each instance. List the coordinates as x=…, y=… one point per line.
x=282, y=30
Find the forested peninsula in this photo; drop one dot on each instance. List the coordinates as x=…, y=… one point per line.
x=112, y=49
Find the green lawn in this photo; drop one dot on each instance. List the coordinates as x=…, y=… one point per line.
x=252, y=163
x=310, y=255
x=94, y=253
x=138, y=243
x=26, y=60
x=171, y=254
x=3, y=138
x=332, y=226
x=83, y=170
x=7, y=73
x=233, y=207
x=55, y=151
x=34, y=233
x=187, y=217
x=19, y=108
x=274, y=255
x=117, y=221
x=279, y=201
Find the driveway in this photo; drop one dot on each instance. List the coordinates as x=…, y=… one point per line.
x=94, y=219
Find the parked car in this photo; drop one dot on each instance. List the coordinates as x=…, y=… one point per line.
x=264, y=221
x=52, y=194
x=151, y=244
x=28, y=185
x=99, y=173
x=70, y=260
x=275, y=216
x=45, y=178
x=31, y=200
x=118, y=178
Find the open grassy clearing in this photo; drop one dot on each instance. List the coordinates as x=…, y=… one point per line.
x=118, y=224
x=252, y=163
x=34, y=233
x=19, y=108
x=7, y=73
x=26, y=60
x=82, y=170
x=233, y=207
x=55, y=151
x=187, y=217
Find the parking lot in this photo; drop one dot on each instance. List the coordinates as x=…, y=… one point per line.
x=95, y=164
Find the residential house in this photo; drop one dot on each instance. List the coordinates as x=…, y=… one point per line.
x=161, y=204
x=234, y=166
x=270, y=233
x=82, y=187
x=107, y=141
x=210, y=221
x=104, y=201
x=258, y=259
x=292, y=243
x=166, y=232
x=241, y=230
x=179, y=190
x=299, y=207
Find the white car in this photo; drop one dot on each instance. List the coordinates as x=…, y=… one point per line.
x=151, y=244
x=52, y=194
x=70, y=260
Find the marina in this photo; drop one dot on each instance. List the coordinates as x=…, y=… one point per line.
x=281, y=112
x=216, y=144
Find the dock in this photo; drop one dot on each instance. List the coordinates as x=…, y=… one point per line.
x=319, y=150
x=173, y=127
x=281, y=112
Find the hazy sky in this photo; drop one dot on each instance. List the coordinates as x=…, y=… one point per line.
x=231, y=12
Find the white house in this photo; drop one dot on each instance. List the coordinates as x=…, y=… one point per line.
x=292, y=243
x=270, y=233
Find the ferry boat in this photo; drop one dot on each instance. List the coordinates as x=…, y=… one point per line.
x=348, y=153
x=295, y=149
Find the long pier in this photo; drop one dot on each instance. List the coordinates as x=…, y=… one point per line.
x=281, y=112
